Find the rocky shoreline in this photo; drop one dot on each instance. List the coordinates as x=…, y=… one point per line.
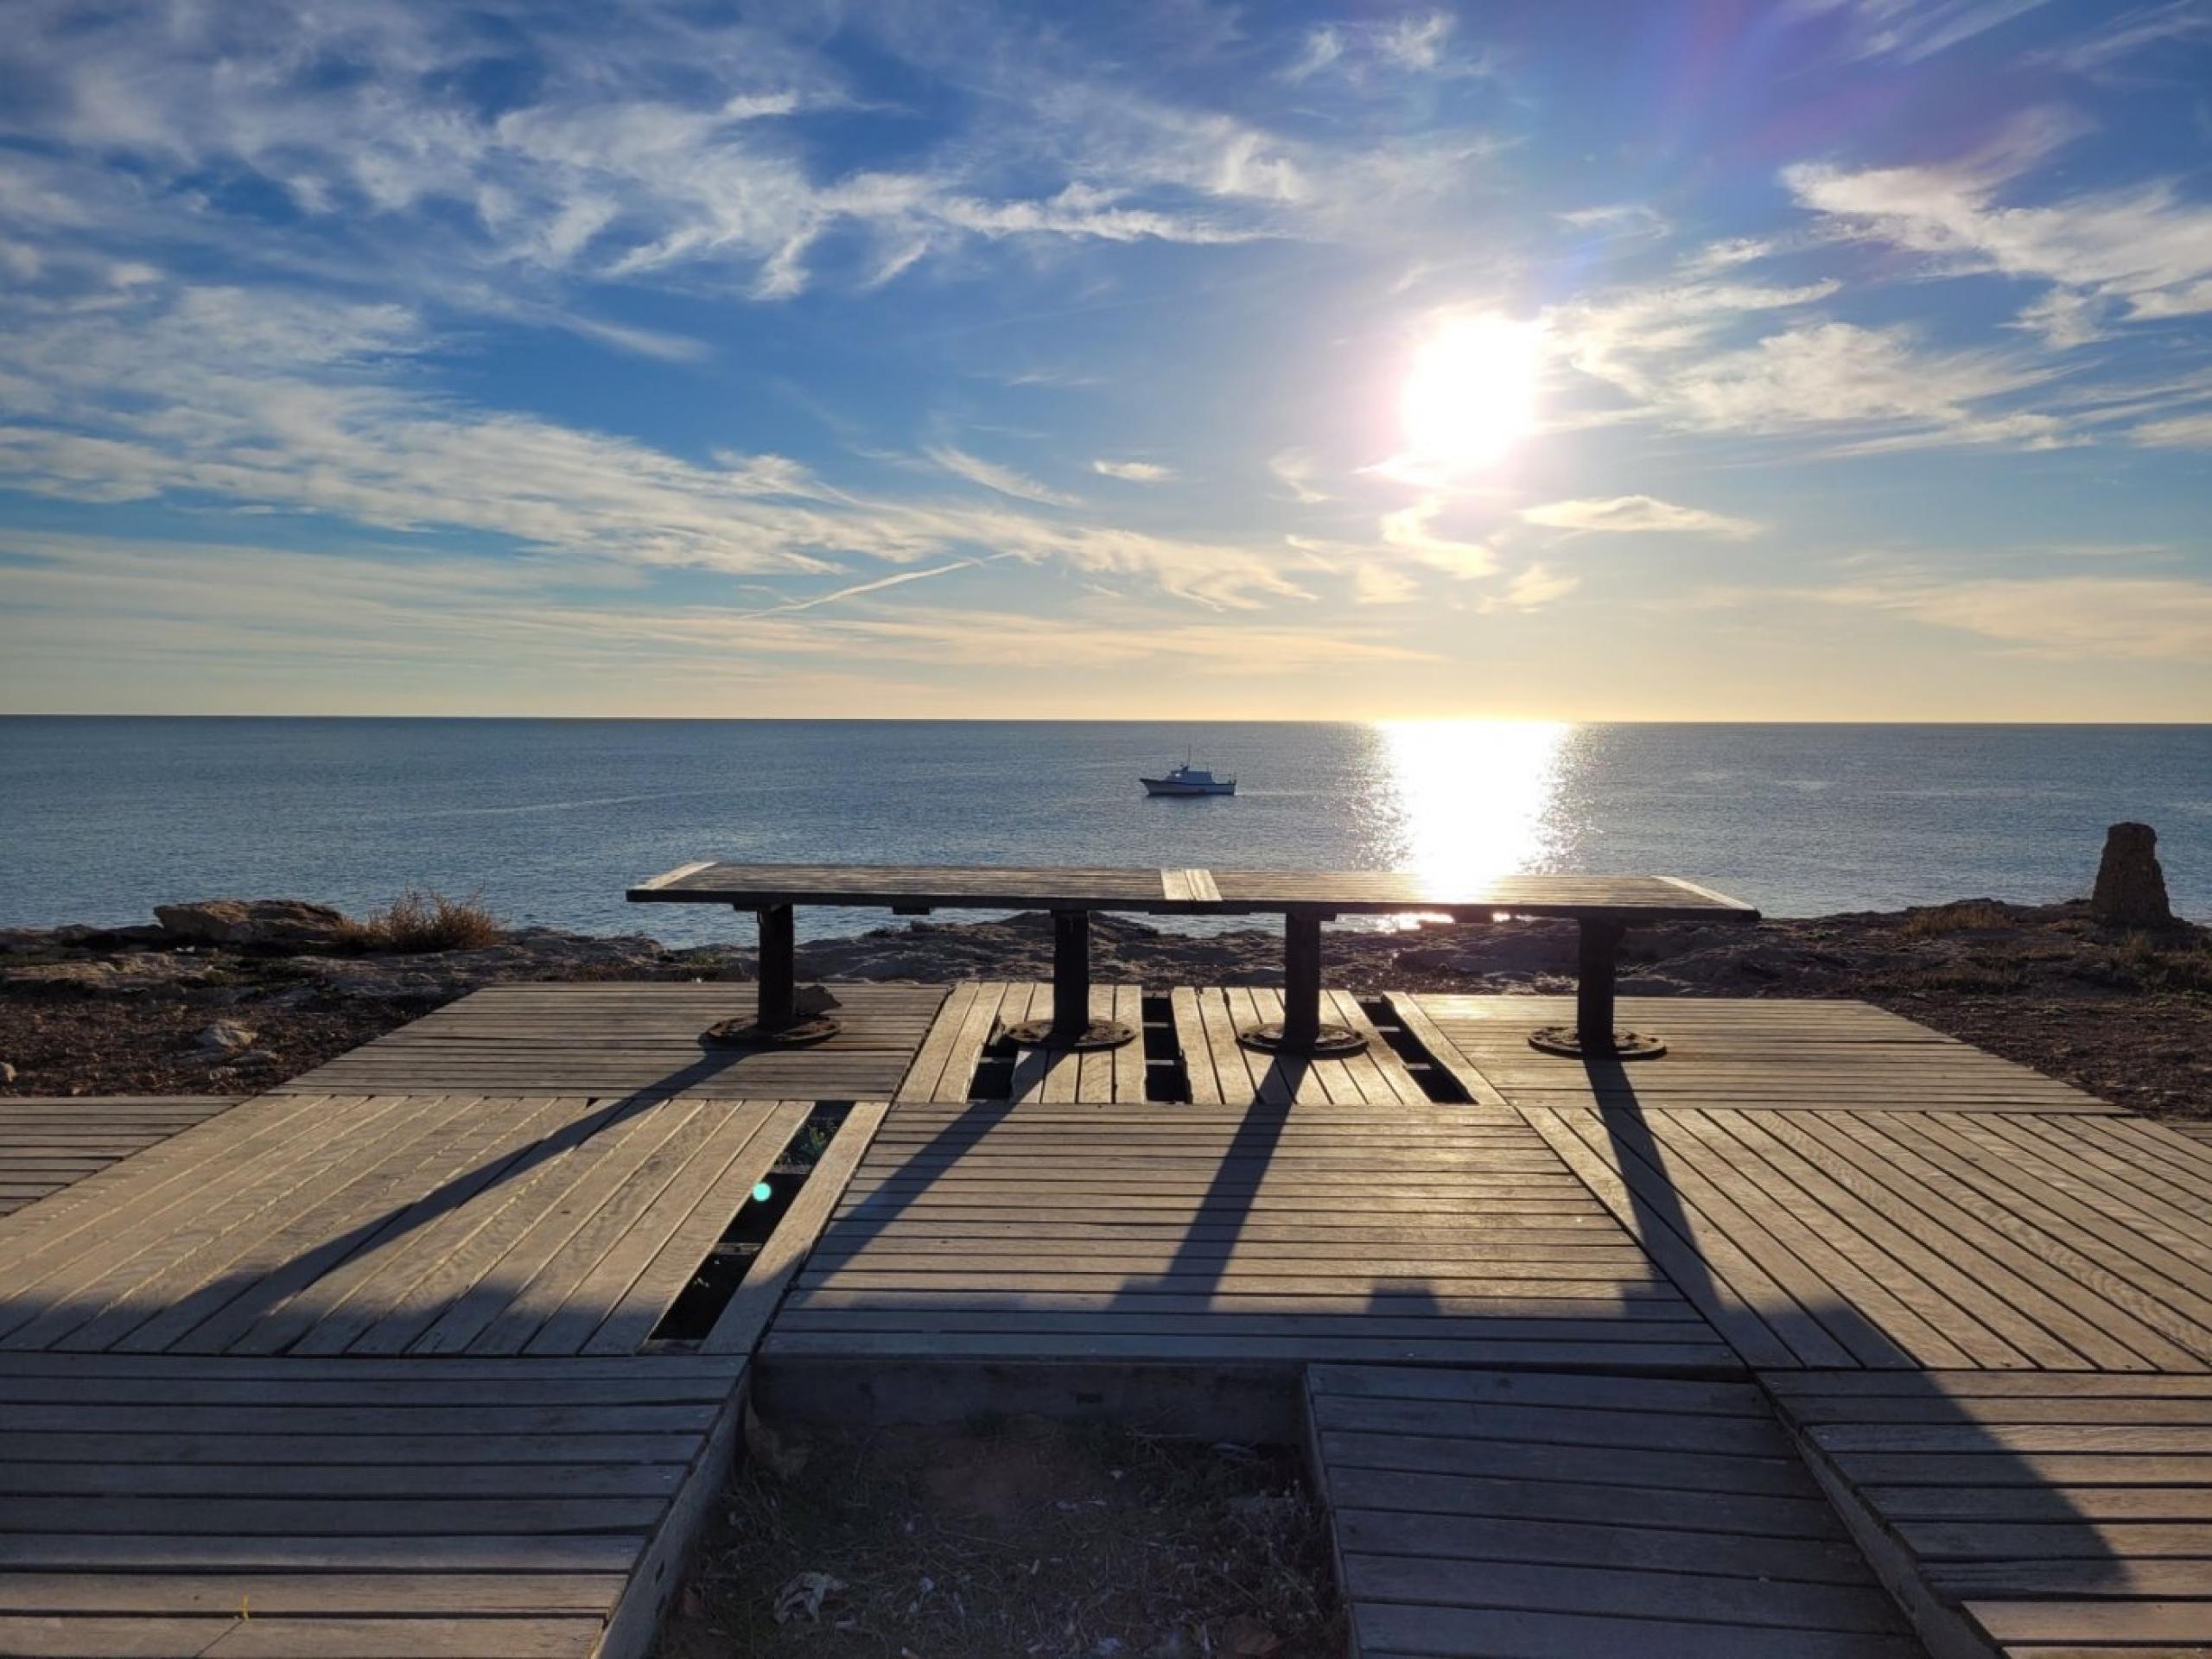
x=228, y=996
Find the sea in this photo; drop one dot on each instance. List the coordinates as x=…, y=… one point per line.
x=547, y=821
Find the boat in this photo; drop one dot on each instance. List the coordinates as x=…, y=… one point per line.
x=1187, y=779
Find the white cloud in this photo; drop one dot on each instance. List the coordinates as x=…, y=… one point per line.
x=1294, y=468
x=2088, y=617
x=2129, y=32
x=254, y=610
x=1538, y=585
x=1416, y=42
x=1838, y=375
x=656, y=148
x=1133, y=472
x=2181, y=432
x=1419, y=43
x=992, y=476
x=1636, y=514
x=1409, y=530
x=1382, y=584
x=1912, y=30
x=267, y=399
x=2140, y=253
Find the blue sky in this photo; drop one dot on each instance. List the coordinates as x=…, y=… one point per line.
x=1819, y=359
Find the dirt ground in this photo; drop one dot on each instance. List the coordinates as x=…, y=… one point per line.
x=1016, y=1539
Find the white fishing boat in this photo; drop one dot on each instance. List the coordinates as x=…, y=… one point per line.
x=1187, y=779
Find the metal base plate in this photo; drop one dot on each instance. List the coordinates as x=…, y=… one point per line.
x=1627, y=1045
x=751, y=1034
x=1329, y=1043
x=1042, y=1033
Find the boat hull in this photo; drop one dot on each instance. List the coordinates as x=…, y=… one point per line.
x=1168, y=786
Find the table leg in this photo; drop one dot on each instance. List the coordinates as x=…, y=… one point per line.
x=1071, y=1026
x=1594, y=1036
x=777, y=1019
x=1300, y=1030
x=779, y=968
x=1597, y=967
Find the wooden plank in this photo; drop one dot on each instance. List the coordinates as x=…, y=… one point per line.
x=1534, y=1513
x=632, y=1320
x=738, y=1329
x=927, y=1070
x=308, y=1272
x=1196, y=1047
x=761, y=1130
x=1724, y=1291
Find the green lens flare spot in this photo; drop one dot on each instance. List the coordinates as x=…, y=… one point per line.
x=762, y=1192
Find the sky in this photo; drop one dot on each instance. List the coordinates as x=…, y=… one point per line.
x=1803, y=360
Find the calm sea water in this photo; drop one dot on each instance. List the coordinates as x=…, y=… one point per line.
x=101, y=819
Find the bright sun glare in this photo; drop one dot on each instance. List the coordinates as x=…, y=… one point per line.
x=1472, y=395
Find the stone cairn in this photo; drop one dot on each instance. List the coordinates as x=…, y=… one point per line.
x=2131, y=890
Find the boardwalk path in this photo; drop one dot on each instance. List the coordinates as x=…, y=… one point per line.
x=369, y=1365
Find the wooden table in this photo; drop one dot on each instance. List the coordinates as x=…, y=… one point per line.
x=1605, y=907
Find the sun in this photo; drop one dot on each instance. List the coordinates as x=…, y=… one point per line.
x=1471, y=394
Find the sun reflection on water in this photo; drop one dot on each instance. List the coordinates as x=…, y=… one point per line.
x=1475, y=799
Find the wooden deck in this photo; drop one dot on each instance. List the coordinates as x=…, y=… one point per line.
x=153, y=1505
x=47, y=1142
x=628, y=1039
x=1222, y=1070
x=371, y=1358
x=1557, y=1516
x=1206, y=1235
x=1784, y=1055
x=451, y=1223
x=2033, y=1515
x=976, y=1015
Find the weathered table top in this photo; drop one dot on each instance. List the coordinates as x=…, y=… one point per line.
x=1192, y=892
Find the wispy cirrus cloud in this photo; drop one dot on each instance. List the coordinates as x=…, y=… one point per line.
x=1910, y=30
x=1412, y=531
x=2114, y=617
x=993, y=476
x=1637, y=514
x=2115, y=40
x=1133, y=472
x=262, y=400
x=2138, y=253
x=1419, y=43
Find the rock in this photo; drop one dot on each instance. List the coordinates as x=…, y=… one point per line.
x=7, y=1072
x=533, y=954
x=225, y=1037
x=289, y=923
x=140, y=971
x=2131, y=890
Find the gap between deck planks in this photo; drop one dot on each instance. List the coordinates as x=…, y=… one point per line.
x=1206, y=1024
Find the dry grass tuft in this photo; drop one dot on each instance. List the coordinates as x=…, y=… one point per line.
x=1966, y=916
x=419, y=921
